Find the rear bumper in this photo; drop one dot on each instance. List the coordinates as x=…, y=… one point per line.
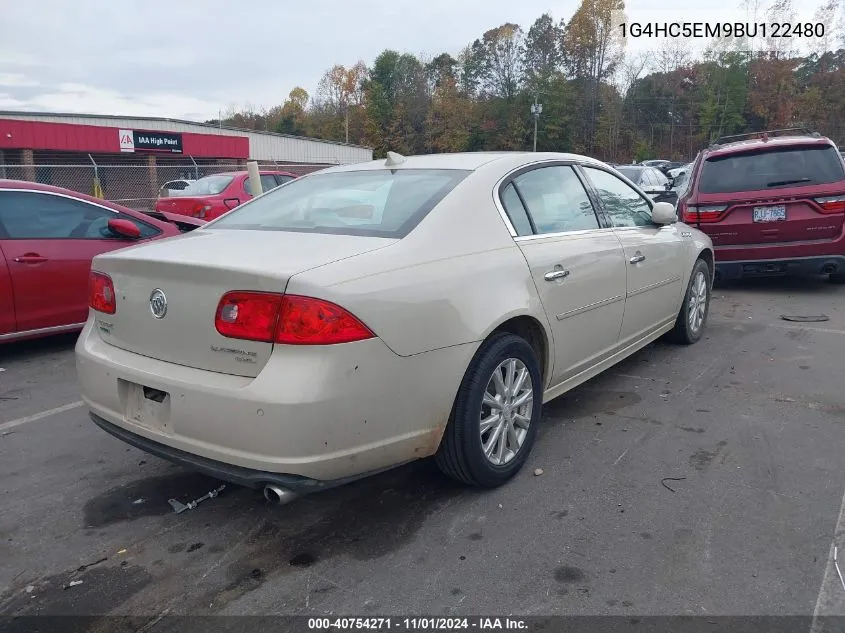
x=321, y=414
x=798, y=266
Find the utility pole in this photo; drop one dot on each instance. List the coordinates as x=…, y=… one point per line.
x=536, y=110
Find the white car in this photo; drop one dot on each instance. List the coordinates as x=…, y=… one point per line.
x=174, y=187
x=373, y=314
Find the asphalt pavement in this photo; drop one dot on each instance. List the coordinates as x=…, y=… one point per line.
x=703, y=480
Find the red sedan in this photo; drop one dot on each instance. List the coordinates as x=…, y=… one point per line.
x=212, y=196
x=48, y=237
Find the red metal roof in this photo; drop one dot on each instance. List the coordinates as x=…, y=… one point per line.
x=69, y=137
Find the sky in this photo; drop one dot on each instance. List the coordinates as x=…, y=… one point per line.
x=190, y=59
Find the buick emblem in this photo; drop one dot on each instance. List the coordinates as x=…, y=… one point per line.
x=158, y=303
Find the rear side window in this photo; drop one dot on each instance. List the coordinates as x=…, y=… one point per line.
x=556, y=200
x=268, y=182
x=516, y=211
x=771, y=169
x=374, y=203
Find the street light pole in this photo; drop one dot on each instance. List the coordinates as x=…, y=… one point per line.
x=536, y=109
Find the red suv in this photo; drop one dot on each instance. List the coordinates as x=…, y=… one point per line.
x=212, y=196
x=773, y=205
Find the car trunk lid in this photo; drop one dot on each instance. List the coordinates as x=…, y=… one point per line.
x=193, y=272
x=195, y=206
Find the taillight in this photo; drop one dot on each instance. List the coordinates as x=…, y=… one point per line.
x=309, y=321
x=200, y=209
x=287, y=319
x=101, y=293
x=248, y=315
x=832, y=204
x=703, y=214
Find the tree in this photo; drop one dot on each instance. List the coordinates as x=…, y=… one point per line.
x=594, y=46
x=292, y=114
x=542, y=54
x=502, y=68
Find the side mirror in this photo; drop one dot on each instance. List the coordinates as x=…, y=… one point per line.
x=663, y=213
x=124, y=228
x=231, y=203
x=670, y=184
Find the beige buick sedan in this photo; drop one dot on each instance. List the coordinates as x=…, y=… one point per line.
x=373, y=314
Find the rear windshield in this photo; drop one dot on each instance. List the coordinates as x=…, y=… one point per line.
x=631, y=173
x=375, y=203
x=208, y=186
x=771, y=169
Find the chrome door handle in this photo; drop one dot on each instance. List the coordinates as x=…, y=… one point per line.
x=555, y=274
x=636, y=259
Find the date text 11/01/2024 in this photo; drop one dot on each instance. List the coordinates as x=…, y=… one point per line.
x=417, y=624
x=723, y=29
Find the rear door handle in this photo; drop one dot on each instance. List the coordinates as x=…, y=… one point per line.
x=30, y=258
x=552, y=275
x=637, y=258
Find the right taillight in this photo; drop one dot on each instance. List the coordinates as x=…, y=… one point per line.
x=101, y=293
x=703, y=214
x=831, y=204
x=200, y=209
x=286, y=319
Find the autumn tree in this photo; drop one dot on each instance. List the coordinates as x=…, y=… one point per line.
x=542, y=53
x=594, y=47
x=502, y=63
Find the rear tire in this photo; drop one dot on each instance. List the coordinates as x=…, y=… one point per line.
x=696, y=306
x=494, y=419
x=836, y=278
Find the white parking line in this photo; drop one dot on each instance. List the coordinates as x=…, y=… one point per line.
x=831, y=598
x=39, y=416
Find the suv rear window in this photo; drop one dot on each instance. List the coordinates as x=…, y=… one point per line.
x=374, y=203
x=771, y=169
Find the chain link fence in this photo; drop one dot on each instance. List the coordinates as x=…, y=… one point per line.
x=135, y=186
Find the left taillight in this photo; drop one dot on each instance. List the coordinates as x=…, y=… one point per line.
x=286, y=319
x=101, y=293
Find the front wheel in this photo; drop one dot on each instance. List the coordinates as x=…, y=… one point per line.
x=696, y=306
x=496, y=414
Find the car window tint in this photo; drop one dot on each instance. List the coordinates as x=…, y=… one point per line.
x=623, y=205
x=32, y=215
x=771, y=169
x=659, y=177
x=556, y=200
x=268, y=182
x=516, y=211
x=370, y=202
x=283, y=179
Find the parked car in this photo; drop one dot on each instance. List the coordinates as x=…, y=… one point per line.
x=212, y=196
x=680, y=178
x=372, y=314
x=652, y=181
x=657, y=163
x=48, y=237
x=773, y=205
x=174, y=187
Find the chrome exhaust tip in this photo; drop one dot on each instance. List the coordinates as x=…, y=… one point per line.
x=277, y=495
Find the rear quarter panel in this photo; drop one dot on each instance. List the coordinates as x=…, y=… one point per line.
x=7, y=299
x=451, y=281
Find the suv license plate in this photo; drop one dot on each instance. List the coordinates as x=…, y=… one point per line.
x=770, y=214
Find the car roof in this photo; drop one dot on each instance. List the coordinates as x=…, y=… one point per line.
x=749, y=145
x=467, y=161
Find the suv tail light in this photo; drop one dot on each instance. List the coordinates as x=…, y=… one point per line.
x=101, y=293
x=287, y=319
x=832, y=204
x=703, y=214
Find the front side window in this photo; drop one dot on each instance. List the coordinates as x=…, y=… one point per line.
x=376, y=203
x=623, y=204
x=30, y=215
x=556, y=200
